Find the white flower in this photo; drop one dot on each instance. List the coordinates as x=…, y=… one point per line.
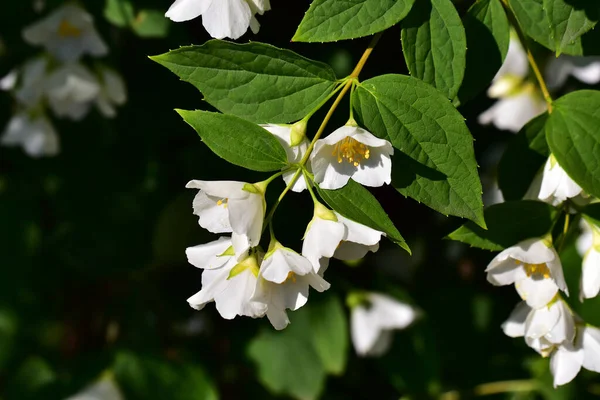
x=104, y=389
x=567, y=359
x=221, y=18
x=225, y=281
x=283, y=283
x=511, y=73
x=357, y=241
x=230, y=206
x=323, y=235
x=586, y=238
x=514, y=111
x=9, y=81
x=556, y=185
x=112, y=92
x=67, y=33
x=71, y=91
x=585, y=69
x=372, y=323
x=351, y=152
x=589, y=285
x=35, y=134
x=534, y=267
x=284, y=134
x=31, y=87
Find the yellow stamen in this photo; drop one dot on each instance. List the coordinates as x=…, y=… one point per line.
x=66, y=29
x=352, y=150
x=222, y=202
x=540, y=270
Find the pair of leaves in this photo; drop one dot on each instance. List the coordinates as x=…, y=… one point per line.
x=558, y=25
x=296, y=361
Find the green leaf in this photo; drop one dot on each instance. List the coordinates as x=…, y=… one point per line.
x=573, y=134
x=436, y=162
x=119, y=12
x=508, y=224
x=556, y=24
x=355, y=202
x=488, y=37
x=329, y=329
x=434, y=45
x=146, y=377
x=254, y=81
x=333, y=20
x=151, y=24
x=287, y=361
x=236, y=140
x=523, y=158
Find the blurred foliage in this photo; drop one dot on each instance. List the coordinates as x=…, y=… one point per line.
x=94, y=276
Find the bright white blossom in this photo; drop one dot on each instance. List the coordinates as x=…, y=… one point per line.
x=34, y=133
x=351, y=152
x=230, y=206
x=514, y=111
x=283, y=283
x=323, y=235
x=512, y=72
x=556, y=185
x=31, y=85
x=373, y=319
x=225, y=280
x=71, y=91
x=357, y=241
x=585, y=69
x=221, y=18
x=589, y=285
x=567, y=359
x=534, y=267
x=104, y=389
x=112, y=92
x=67, y=33
x=288, y=135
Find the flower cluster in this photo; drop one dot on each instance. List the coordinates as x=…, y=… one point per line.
x=221, y=18
x=58, y=80
x=239, y=276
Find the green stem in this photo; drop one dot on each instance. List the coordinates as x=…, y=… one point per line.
x=308, y=186
x=506, y=387
x=534, y=66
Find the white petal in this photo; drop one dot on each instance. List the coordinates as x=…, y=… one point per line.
x=514, y=326
x=278, y=265
x=227, y=18
x=329, y=173
x=382, y=344
x=220, y=189
x=246, y=217
x=515, y=63
x=565, y=364
x=259, y=6
x=300, y=184
x=114, y=86
x=359, y=233
x=235, y=298
x=376, y=171
x=585, y=239
x=9, y=81
x=316, y=282
x=389, y=313
x=540, y=322
x=512, y=113
x=590, y=342
x=321, y=240
x=536, y=292
x=278, y=318
x=207, y=255
x=589, y=73
x=184, y=10
x=533, y=251
x=556, y=272
x=363, y=332
x=503, y=270
x=353, y=251
x=103, y=389
x=212, y=216
x=590, y=274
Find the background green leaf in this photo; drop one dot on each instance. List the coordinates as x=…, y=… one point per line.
x=332, y=20
x=255, y=81
x=573, y=134
x=355, y=202
x=508, y=223
x=237, y=141
x=436, y=163
x=434, y=45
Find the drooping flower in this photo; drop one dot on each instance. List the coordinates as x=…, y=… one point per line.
x=105, y=388
x=34, y=133
x=534, y=267
x=230, y=206
x=357, y=241
x=112, y=92
x=30, y=88
x=589, y=285
x=283, y=283
x=67, y=33
x=295, y=145
x=323, y=235
x=512, y=72
x=585, y=69
x=373, y=318
x=351, y=152
x=556, y=185
x=225, y=280
x=71, y=91
x=221, y=18
x=567, y=359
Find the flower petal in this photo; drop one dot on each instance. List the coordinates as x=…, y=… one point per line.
x=590, y=342
x=184, y=10
x=590, y=274
x=390, y=313
x=227, y=18
x=321, y=240
x=207, y=255
x=536, y=292
x=364, y=333
x=565, y=364
x=514, y=326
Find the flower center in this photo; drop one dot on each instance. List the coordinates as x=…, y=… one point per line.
x=66, y=29
x=539, y=270
x=290, y=277
x=352, y=150
x=222, y=202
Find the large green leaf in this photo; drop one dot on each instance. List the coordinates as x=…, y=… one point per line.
x=434, y=45
x=488, y=37
x=508, y=223
x=523, y=158
x=329, y=329
x=332, y=20
x=355, y=202
x=254, y=81
x=436, y=163
x=236, y=140
x=573, y=134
